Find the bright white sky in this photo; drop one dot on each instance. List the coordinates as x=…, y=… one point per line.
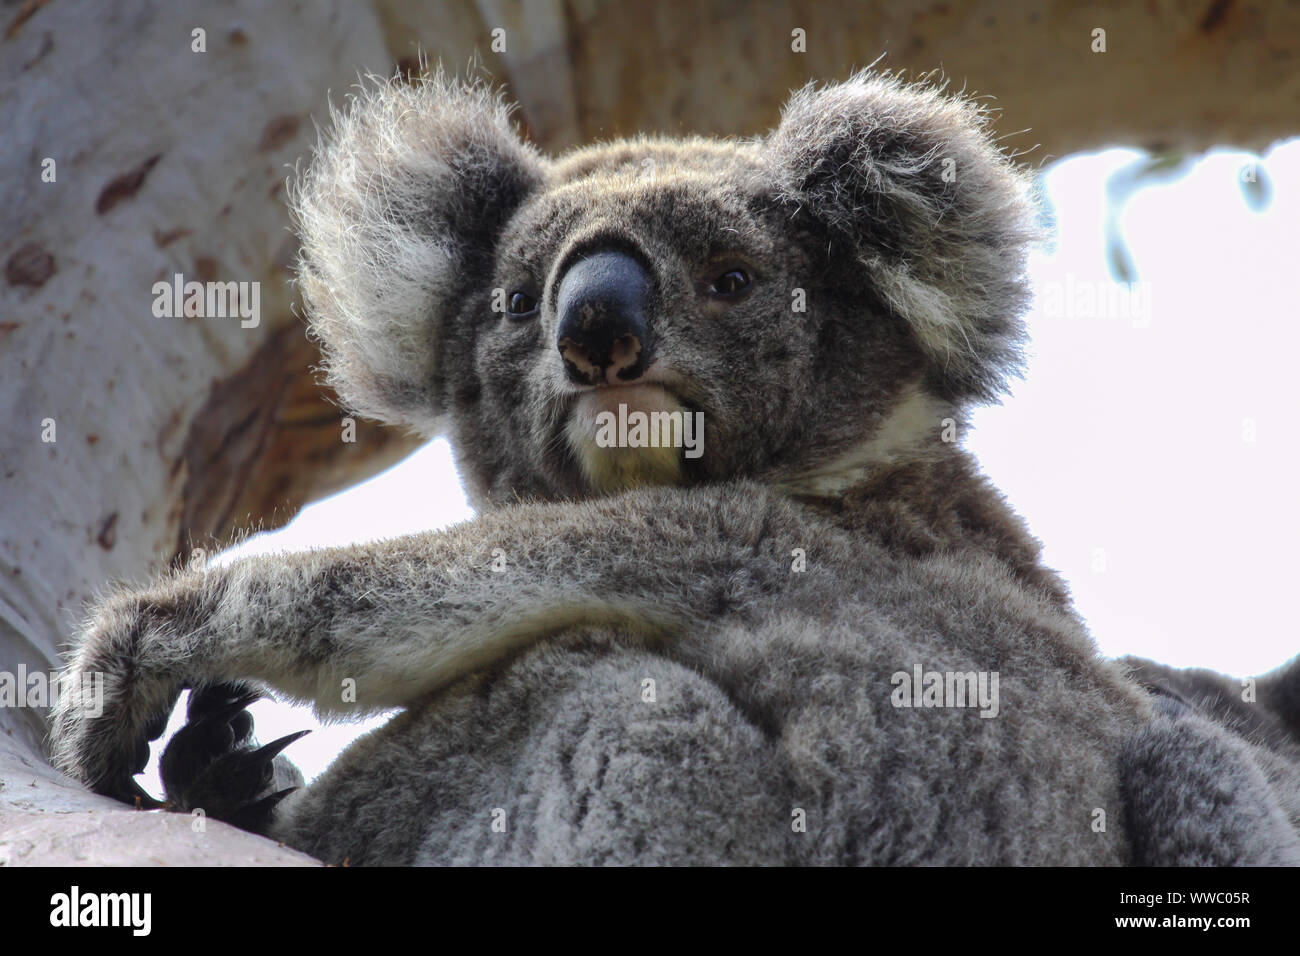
x=1127, y=448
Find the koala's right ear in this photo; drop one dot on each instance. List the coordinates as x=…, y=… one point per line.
x=399, y=214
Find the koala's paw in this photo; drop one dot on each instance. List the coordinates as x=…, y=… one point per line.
x=113, y=700
x=213, y=763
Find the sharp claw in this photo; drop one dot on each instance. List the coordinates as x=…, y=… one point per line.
x=248, y=771
x=226, y=712
x=271, y=751
x=271, y=799
x=256, y=817
x=224, y=698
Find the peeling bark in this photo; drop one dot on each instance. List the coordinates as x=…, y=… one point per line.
x=267, y=441
x=166, y=431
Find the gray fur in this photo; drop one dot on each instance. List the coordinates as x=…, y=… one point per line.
x=1182, y=768
x=1180, y=773
x=396, y=232
x=524, y=688
x=947, y=253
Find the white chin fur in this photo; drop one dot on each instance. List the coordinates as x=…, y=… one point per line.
x=616, y=468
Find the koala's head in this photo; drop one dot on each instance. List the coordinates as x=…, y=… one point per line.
x=819, y=300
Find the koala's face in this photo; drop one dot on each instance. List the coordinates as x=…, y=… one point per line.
x=665, y=311
x=663, y=283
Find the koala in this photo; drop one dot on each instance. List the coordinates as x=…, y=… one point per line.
x=734, y=594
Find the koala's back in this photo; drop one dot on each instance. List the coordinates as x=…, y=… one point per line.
x=770, y=733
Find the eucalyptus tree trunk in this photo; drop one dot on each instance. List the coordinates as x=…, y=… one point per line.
x=137, y=150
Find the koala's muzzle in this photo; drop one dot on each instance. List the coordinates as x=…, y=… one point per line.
x=604, y=336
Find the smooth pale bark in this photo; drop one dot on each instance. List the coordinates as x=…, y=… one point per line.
x=172, y=433
x=169, y=432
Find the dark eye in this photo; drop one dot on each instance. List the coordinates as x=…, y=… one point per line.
x=730, y=282
x=521, y=303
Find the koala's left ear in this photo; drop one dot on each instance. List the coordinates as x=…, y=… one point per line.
x=909, y=180
x=400, y=214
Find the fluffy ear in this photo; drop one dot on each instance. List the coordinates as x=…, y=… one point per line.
x=399, y=214
x=943, y=243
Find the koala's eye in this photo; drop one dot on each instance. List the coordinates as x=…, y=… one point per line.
x=730, y=282
x=521, y=303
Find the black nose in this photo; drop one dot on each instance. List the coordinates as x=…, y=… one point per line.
x=602, y=303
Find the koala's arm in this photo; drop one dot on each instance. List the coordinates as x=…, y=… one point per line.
x=400, y=618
